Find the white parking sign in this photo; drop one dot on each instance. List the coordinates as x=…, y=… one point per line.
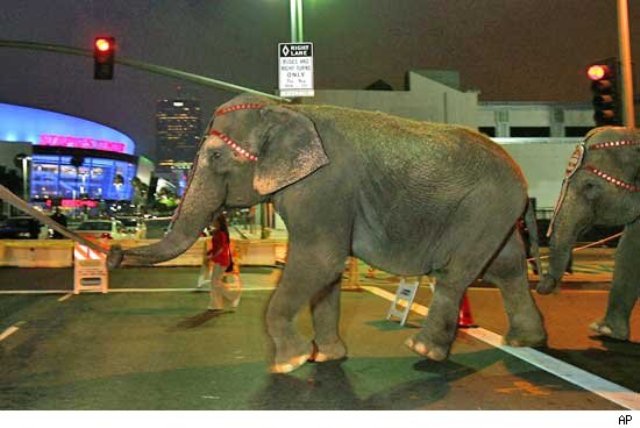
x=295, y=72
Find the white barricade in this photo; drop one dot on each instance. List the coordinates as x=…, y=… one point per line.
x=406, y=292
x=90, y=271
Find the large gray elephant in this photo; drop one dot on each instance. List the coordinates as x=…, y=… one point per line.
x=407, y=197
x=602, y=187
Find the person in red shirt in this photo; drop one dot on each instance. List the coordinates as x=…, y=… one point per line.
x=220, y=262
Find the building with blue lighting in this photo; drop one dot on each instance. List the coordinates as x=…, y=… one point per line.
x=72, y=159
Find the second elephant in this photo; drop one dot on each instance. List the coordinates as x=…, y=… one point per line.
x=602, y=187
x=407, y=197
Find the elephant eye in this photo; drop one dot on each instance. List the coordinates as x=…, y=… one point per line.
x=216, y=154
x=591, y=190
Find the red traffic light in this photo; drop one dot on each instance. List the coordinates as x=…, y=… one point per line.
x=104, y=51
x=103, y=44
x=598, y=72
x=604, y=85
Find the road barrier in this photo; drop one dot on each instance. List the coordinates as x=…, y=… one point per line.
x=56, y=253
x=90, y=271
x=36, y=254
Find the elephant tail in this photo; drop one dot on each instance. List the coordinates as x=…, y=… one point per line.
x=532, y=226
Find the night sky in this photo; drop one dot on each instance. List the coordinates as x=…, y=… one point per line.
x=509, y=50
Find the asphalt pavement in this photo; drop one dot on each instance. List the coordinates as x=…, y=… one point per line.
x=150, y=344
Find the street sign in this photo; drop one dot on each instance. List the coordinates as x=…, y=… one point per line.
x=295, y=69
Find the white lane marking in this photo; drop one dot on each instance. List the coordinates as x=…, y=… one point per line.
x=608, y=390
x=567, y=291
x=34, y=291
x=65, y=297
x=417, y=308
x=127, y=290
x=8, y=332
x=189, y=290
x=245, y=288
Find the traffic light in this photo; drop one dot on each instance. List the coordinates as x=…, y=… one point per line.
x=104, y=50
x=606, y=96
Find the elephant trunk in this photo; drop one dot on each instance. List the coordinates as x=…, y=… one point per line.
x=201, y=203
x=569, y=222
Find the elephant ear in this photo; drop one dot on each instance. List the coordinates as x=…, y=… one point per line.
x=291, y=151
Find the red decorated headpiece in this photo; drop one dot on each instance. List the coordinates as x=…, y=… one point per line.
x=228, y=140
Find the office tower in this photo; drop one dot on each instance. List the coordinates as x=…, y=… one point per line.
x=179, y=128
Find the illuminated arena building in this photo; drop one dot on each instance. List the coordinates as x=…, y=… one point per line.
x=72, y=159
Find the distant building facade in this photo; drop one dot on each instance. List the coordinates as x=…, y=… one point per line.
x=539, y=136
x=534, y=119
x=430, y=95
x=179, y=129
x=70, y=160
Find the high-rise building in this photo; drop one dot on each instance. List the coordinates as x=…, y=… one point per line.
x=179, y=128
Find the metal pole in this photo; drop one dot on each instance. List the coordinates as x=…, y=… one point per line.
x=300, y=20
x=293, y=19
x=25, y=178
x=628, y=116
x=151, y=68
x=297, y=30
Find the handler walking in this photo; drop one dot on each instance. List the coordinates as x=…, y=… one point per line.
x=220, y=263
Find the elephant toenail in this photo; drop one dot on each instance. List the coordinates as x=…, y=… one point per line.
x=421, y=348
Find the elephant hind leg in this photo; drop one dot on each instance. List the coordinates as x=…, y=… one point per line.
x=508, y=271
x=603, y=328
x=476, y=238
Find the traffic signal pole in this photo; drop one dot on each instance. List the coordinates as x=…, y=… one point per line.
x=628, y=118
x=151, y=68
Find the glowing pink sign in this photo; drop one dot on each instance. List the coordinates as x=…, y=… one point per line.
x=81, y=143
x=78, y=203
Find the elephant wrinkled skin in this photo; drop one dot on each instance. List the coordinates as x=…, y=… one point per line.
x=407, y=197
x=602, y=188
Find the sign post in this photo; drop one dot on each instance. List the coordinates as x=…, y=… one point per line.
x=89, y=270
x=295, y=69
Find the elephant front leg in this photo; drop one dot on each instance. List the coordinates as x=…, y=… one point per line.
x=309, y=270
x=625, y=288
x=325, y=309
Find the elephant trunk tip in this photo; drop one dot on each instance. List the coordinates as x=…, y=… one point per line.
x=115, y=256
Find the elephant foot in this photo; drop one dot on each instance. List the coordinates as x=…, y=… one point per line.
x=523, y=340
x=433, y=352
x=534, y=335
x=290, y=356
x=328, y=351
x=602, y=328
x=547, y=285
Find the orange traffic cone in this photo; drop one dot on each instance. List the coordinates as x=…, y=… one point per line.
x=465, y=319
